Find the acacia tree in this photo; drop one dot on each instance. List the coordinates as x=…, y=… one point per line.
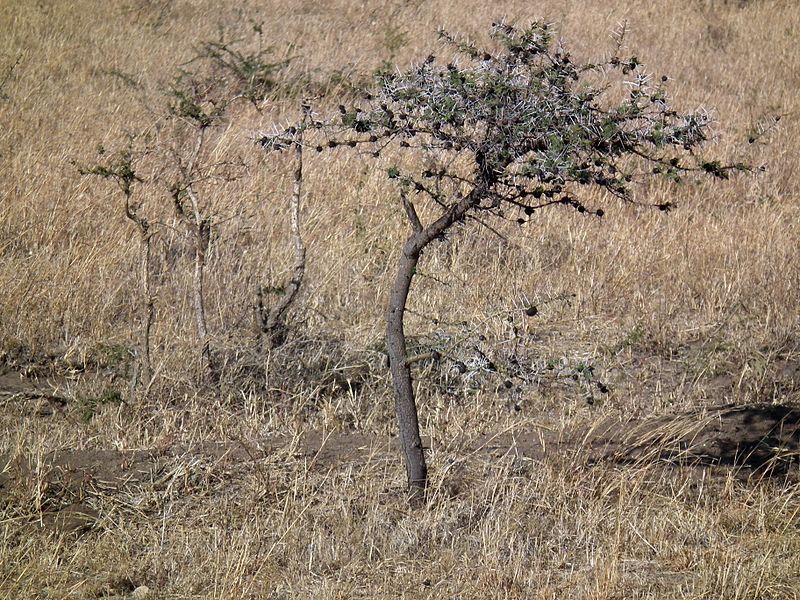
x=515, y=127
x=181, y=151
x=271, y=323
x=217, y=78
x=120, y=168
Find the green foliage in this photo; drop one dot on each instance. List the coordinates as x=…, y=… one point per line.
x=117, y=357
x=532, y=125
x=119, y=168
x=89, y=406
x=223, y=72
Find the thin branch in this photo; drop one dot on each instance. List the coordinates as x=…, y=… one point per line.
x=274, y=322
x=411, y=213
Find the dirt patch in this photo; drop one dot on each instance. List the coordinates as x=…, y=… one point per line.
x=762, y=441
x=30, y=397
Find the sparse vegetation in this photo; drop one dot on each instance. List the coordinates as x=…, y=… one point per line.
x=680, y=480
x=517, y=127
x=121, y=170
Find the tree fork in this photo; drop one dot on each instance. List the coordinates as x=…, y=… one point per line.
x=399, y=366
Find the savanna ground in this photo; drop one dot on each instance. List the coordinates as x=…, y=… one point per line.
x=637, y=437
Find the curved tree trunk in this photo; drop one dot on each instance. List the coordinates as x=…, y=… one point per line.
x=273, y=323
x=200, y=229
x=405, y=403
x=148, y=304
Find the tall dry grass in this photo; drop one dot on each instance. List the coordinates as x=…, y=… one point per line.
x=675, y=312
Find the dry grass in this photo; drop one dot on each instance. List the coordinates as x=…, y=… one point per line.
x=675, y=313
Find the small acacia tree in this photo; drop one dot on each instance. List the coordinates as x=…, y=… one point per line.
x=518, y=126
x=183, y=150
x=120, y=168
x=219, y=77
x=271, y=323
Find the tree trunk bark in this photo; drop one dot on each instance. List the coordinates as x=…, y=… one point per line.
x=274, y=326
x=405, y=404
x=199, y=228
x=201, y=240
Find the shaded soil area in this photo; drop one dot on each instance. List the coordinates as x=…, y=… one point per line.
x=756, y=440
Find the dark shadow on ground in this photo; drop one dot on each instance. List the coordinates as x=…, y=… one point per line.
x=761, y=440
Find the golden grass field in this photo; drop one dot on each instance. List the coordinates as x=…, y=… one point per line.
x=284, y=481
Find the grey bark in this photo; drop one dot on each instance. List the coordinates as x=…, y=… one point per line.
x=402, y=382
x=147, y=307
x=273, y=323
x=201, y=231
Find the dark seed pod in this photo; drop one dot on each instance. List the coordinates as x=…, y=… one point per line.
x=461, y=367
x=529, y=210
x=521, y=221
x=531, y=311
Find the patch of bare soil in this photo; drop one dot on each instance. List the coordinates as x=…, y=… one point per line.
x=25, y=395
x=760, y=440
